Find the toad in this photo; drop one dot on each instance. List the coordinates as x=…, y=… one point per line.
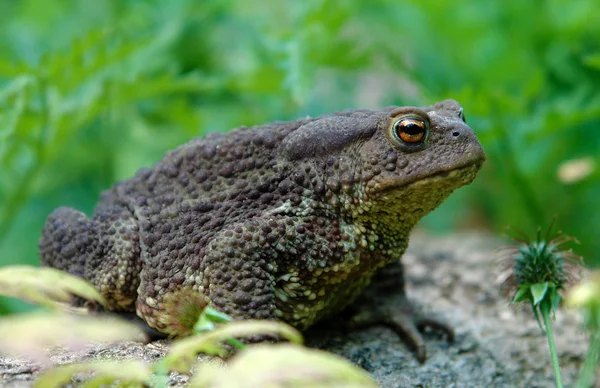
x=287, y=221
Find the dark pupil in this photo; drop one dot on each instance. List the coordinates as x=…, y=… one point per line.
x=412, y=128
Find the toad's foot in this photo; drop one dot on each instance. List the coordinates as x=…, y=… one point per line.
x=405, y=320
x=384, y=302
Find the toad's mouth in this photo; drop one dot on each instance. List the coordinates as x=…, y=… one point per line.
x=451, y=178
x=404, y=205
x=467, y=172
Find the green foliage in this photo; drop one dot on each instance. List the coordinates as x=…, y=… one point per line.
x=91, y=92
x=55, y=290
x=535, y=271
x=284, y=365
x=279, y=366
x=182, y=355
x=128, y=373
x=586, y=297
x=77, y=331
x=47, y=287
x=59, y=329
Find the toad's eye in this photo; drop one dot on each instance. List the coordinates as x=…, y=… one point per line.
x=410, y=130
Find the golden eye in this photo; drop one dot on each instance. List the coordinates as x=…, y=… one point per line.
x=410, y=130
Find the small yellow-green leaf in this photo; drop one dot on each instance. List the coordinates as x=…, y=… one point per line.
x=283, y=365
x=183, y=352
x=216, y=315
x=586, y=293
x=592, y=61
x=46, y=286
x=208, y=318
x=586, y=296
x=538, y=291
x=30, y=335
x=132, y=372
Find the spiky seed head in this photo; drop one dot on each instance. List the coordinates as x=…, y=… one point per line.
x=539, y=261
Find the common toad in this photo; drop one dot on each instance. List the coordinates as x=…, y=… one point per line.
x=287, y=221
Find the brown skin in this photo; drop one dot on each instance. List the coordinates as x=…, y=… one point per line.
x=284, y=221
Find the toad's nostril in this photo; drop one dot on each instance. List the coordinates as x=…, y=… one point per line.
x=455, y=133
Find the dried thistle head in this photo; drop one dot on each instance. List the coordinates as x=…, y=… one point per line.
x=540, y=261
x=183, y=308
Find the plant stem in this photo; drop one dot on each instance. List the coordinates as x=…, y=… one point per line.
x=236, y=343
x=588, y=370
x=545, y=310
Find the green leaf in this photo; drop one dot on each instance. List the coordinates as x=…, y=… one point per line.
x=236, y=343
x=34, y=333
x=11, y=69
x=283, y=365
x=183, y=352
x=538, y=291
x=203, y=324
x=207, y=321
x=522, y=294
x=48, y=287
x=133, y=372
x=208, y=318
x=592, y=61
x=216, y=316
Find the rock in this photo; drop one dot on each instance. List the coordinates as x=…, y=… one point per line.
x=497, y=344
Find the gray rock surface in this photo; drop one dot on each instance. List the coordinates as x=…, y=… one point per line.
x=453, y=277
x=497, y=344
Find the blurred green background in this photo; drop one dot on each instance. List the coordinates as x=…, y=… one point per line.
x=90, y=91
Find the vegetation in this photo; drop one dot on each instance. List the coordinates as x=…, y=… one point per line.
x=586, y=297
x=90, y=92
x=275, y=365
x=538, y=272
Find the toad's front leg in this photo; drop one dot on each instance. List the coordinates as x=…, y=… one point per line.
x=402, y=317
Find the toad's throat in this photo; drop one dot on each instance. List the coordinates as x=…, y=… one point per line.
x=395, y=210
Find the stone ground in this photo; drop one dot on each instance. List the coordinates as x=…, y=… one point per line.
x=496, y=345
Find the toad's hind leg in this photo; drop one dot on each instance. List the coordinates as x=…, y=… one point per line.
x=231, y=273
x=103, y=250
x=261, y=268
x=69, y=237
